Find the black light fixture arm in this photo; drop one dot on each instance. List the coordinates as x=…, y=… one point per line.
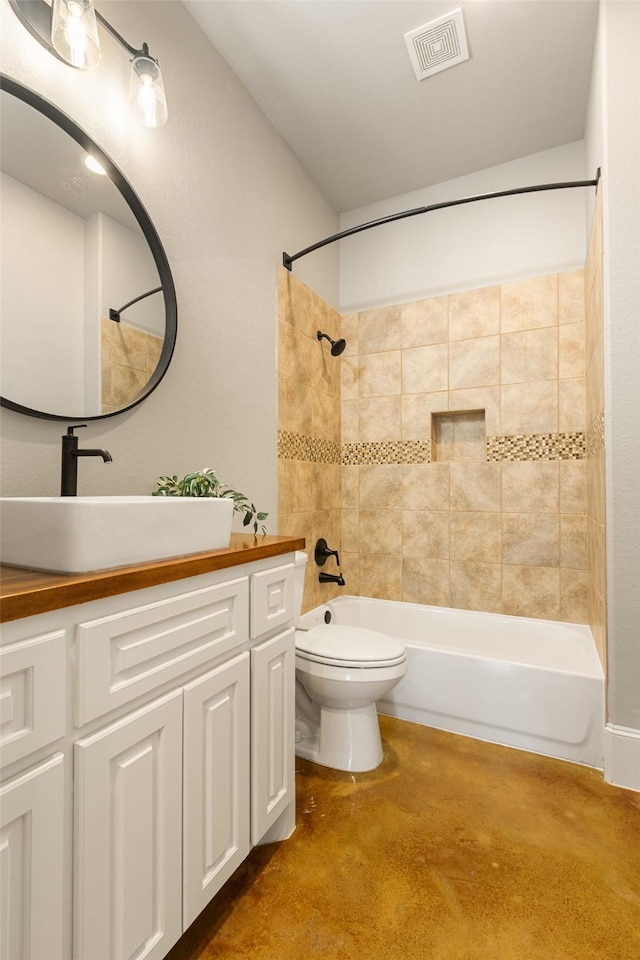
x=287, y=260
x=115, y=314
x=142, y=52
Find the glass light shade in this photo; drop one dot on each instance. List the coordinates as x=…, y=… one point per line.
x=74, y=33
x=146, y=92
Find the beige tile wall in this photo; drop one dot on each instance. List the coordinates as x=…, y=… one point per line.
x=128, y=358
x=597, y=577
x=309, y=470
x=427, y=513
x=507, y=537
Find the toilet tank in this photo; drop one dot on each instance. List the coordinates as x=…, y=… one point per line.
x=300, y=563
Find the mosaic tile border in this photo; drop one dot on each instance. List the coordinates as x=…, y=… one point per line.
x=387, y=451
x=595, y=435
x=296, y=446
x=539, y=446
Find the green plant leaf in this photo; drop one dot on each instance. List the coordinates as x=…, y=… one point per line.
x=205, y=483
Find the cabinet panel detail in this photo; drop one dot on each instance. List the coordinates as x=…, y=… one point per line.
x=128, y=654
x=272, y=598
x=31, y=863
x=32, y=694
x=272, y=731
x=128, y=835
x=216, y=781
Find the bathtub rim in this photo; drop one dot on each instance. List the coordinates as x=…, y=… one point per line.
x=595, y=669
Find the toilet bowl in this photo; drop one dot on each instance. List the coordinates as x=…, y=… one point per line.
x=340, y=674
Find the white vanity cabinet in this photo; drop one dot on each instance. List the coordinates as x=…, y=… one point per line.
x=273, y=702
x=32, y=723
x=31, y=855
x=272, y=732
x=171, y=755
x=216, y=811
x=162, y=815
x=127, y=835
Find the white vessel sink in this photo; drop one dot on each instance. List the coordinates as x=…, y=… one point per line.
x=83, y=534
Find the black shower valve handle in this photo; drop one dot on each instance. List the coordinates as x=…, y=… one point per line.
x=323, y=552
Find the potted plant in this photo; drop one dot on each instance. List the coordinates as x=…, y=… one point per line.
x=205, y=483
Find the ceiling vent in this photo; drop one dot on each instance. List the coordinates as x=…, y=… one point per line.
x=437, y=45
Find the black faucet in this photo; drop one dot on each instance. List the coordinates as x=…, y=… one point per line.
x=321, y=555
x=331, y=578
x=70, y=454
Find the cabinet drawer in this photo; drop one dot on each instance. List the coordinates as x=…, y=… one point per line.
x=272, y=599
x=123, y=656
x=32, y=695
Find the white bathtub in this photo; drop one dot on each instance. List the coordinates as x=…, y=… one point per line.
x=532, y=684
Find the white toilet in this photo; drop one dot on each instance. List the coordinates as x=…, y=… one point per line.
x=340, y=673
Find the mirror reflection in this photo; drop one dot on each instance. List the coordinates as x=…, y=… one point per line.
x=72, y=254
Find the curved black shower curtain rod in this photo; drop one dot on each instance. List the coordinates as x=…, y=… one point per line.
x=115, y=314
x=287, y=260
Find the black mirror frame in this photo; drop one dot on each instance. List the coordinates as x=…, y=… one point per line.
x=164, y=272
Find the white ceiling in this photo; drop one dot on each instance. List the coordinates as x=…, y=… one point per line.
x=335, y=79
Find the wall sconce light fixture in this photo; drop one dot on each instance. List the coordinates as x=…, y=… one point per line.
x=74, y=33
x=68, y=30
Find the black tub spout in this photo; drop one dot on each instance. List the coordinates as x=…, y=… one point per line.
x=331, y=578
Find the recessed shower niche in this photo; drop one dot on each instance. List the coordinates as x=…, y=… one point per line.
x=459, y=435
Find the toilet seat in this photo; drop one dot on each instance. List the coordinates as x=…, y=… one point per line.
x=355, y=647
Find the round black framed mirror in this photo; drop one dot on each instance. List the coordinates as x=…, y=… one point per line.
x=88, y=313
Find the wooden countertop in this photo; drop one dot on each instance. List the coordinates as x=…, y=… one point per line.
x=25, y=593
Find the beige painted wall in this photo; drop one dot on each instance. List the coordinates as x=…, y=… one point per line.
x=596, y=500
x=473, y=245
x=612, y=137
x=227, y=196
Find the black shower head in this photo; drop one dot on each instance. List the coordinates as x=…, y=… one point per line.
x=337, y=346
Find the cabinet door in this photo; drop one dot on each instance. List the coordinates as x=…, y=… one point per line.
x=31, y=859
x=272, y=731
x=128, y=835
x=216, y=781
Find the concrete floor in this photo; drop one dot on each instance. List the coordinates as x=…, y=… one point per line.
x=452, y=849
